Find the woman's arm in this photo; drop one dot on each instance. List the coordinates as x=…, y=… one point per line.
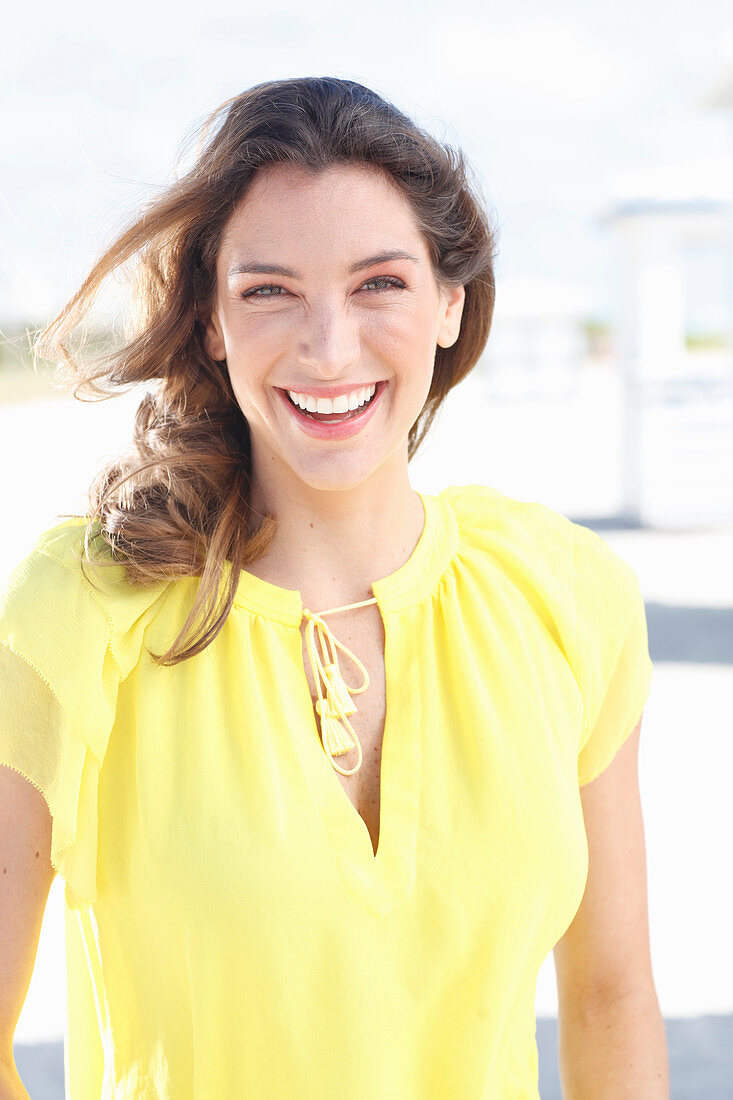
x=11, y=1086
x=25, y=881
x=612, y=1043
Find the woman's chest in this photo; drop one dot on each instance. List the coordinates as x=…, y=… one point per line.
x=468, y=778
x=358, y=770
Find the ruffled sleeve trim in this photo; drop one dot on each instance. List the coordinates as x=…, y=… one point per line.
x=60, y=676
x=612, y=650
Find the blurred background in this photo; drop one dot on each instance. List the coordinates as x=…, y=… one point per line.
x=602, y=138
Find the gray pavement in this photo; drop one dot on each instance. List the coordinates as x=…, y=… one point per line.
x=700, y=1059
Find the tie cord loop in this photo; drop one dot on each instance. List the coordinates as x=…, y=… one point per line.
x=337, y=733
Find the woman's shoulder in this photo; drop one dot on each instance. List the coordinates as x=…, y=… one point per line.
x=66, y=544
x=536, y=545
x=492, y=521
x=69, y=585
x=50, y=567
x=483, y=512
x=74, y=554
x=484, y=503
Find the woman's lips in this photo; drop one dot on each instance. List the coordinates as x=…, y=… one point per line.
x=334, y=429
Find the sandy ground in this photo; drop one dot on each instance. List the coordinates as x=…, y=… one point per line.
x=562, y=448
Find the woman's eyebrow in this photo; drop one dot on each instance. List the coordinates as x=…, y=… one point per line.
x=381, y=258
x=250, y=267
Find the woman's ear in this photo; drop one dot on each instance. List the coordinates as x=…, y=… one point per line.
x=213, y=336
x=450, y=326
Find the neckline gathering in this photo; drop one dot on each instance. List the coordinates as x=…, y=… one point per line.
x=410, y=583
x=380, y=881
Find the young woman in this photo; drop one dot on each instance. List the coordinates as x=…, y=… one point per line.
x=328, y=765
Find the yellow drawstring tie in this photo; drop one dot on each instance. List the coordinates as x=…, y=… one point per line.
x=337, y=703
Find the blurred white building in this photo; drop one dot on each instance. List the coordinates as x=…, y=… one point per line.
x=673, y=227
x=665, y=379
x=537, y=336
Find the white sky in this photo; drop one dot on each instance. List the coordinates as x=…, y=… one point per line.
x=550, y=102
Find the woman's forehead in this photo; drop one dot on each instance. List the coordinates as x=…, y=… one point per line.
x=283, y=178
x=349, y=198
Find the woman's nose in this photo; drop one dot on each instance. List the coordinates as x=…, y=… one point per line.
x=328, y=343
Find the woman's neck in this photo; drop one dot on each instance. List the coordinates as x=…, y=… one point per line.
x=331, y=545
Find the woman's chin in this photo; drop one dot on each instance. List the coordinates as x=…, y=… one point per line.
x=348, y=473
x=340, y=481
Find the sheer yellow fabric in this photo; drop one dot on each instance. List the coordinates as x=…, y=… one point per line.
x=230, y=929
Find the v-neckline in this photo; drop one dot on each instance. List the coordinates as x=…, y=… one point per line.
x=383, y=880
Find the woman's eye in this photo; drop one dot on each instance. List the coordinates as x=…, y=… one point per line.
x=388, y=282
x=272, y=290
x=268, y=291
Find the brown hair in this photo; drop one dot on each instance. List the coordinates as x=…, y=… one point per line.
x=178, y=503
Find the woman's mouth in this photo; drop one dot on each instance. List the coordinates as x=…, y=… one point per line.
x=330, y=416
x=334, y=425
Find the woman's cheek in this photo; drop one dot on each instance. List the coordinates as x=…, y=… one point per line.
x=390, y=332
x=258, y=341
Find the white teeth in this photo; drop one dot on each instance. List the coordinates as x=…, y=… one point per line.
x=344, y=402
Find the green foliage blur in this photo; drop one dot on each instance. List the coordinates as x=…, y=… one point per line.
x=22, y=379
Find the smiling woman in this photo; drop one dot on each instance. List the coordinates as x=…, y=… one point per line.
x=313, y=160
x=335, y=328
x=326, y=762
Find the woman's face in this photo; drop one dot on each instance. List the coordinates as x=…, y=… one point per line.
x=324, y=290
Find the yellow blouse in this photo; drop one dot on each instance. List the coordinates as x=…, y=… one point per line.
x=229, y=930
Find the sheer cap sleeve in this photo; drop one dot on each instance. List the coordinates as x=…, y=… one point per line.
x=588, y=597
x=612, y=662
x=62, y=657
